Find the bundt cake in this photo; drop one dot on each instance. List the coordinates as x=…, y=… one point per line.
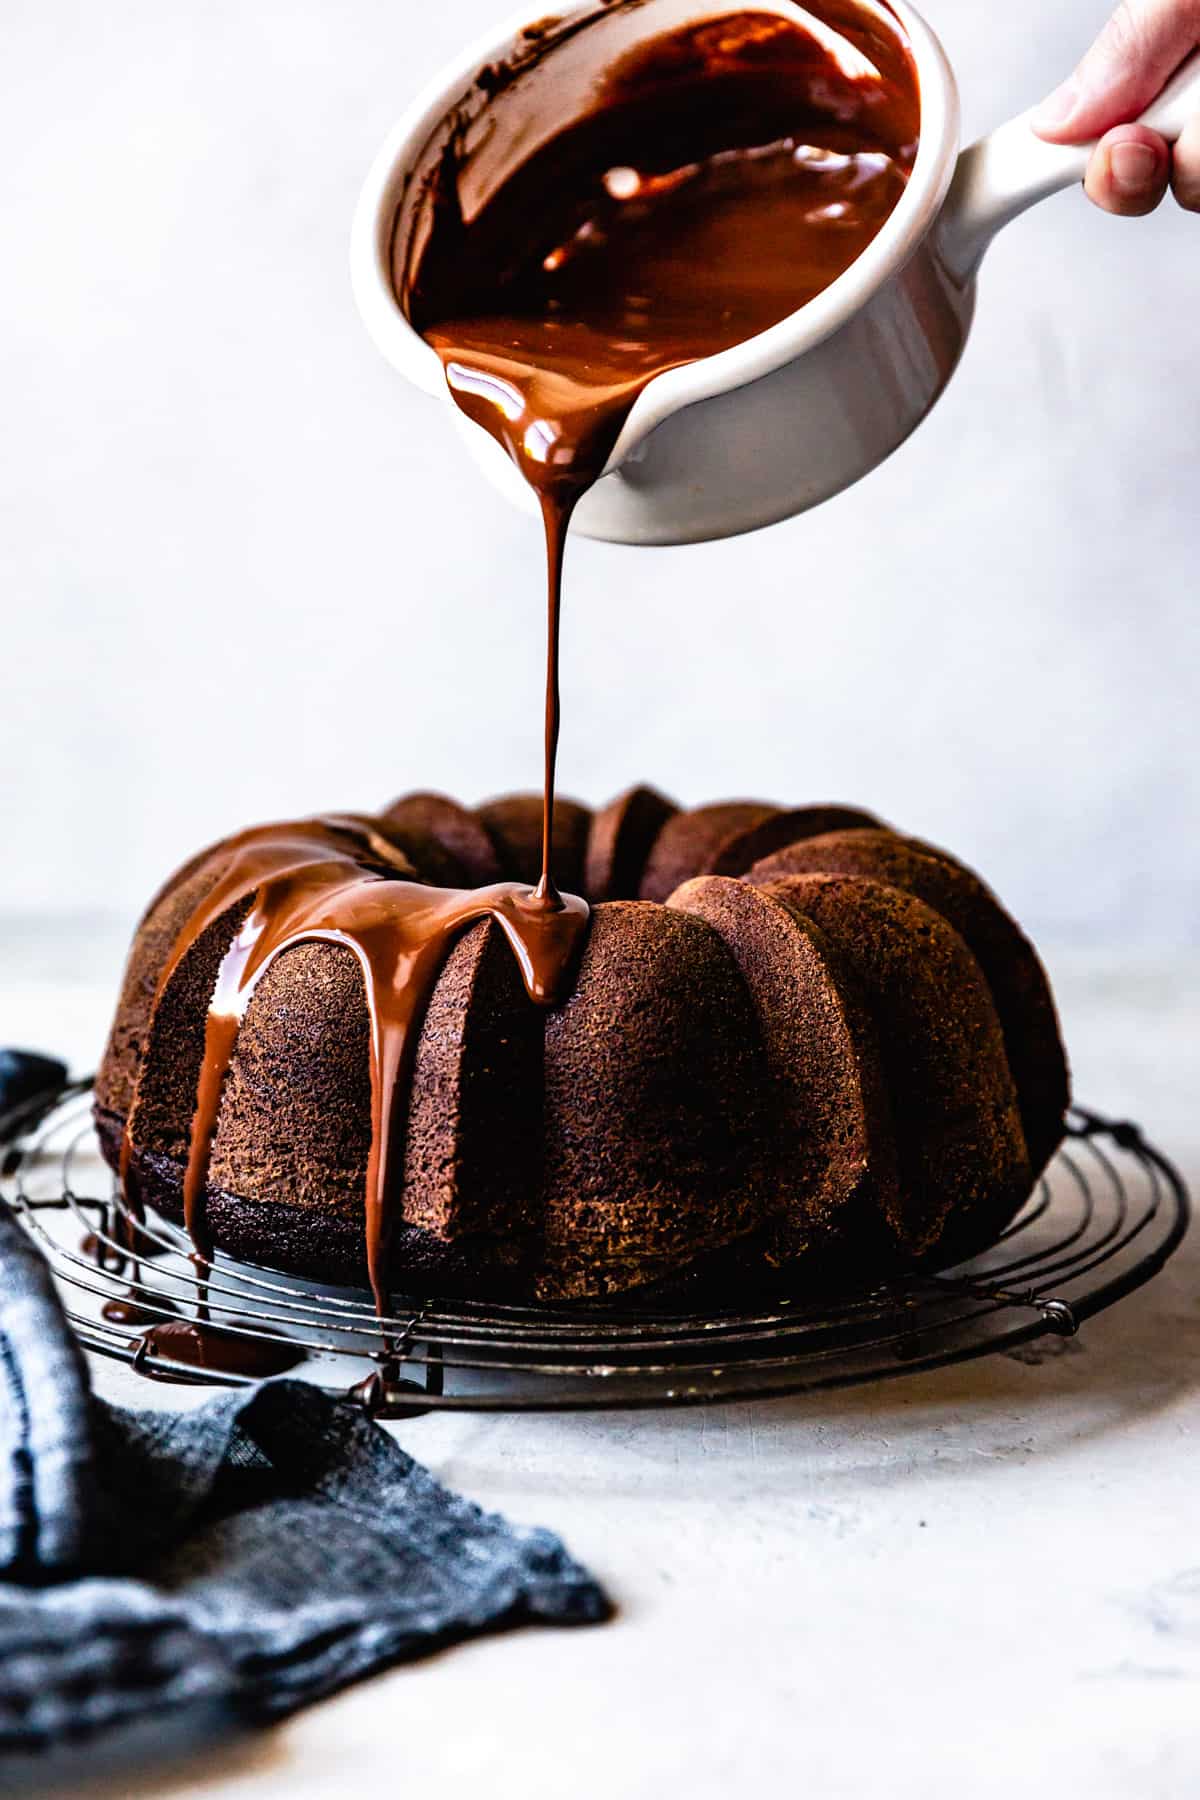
x=782, y=1045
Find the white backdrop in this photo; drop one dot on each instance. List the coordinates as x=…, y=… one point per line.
x=248, y=573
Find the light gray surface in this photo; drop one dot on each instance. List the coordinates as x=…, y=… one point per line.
x=960, y=1584
x=227, y=526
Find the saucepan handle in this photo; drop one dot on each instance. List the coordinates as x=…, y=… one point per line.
x=1010, y=170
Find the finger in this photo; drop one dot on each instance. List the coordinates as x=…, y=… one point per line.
x=1129, y=64
x=1186, y=179
x=1129, y=171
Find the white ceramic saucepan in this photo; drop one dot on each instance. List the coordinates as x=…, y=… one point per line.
x=792, y=416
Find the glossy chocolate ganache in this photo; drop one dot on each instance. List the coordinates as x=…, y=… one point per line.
x=341, y=880
x=724, y=175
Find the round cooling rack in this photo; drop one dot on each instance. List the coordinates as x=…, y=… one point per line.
x=1104, y=1219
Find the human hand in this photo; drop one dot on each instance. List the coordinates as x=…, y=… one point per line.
x=1126, y=68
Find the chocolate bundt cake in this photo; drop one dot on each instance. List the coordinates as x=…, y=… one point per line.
x=788, y=1041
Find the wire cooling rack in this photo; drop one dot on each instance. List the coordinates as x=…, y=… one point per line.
x=1105, y=1218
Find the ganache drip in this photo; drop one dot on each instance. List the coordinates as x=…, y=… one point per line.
x=338, y=880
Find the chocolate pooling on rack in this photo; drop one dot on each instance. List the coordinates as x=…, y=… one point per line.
x=198, y=1344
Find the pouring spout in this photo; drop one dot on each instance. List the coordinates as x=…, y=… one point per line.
x=1009, y=171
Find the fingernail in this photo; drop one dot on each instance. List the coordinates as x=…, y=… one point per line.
x=1133, y=167
x=1058, y=108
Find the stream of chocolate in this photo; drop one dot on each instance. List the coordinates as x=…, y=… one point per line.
x=726, y=174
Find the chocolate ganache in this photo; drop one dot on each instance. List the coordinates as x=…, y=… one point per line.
x=339, y=880
x=725, y=175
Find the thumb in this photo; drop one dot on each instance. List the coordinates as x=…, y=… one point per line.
x=1129, y=64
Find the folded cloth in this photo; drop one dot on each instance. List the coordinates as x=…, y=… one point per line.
x=27, y=1077
x=255, y=1553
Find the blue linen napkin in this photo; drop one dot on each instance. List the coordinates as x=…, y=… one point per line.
x=257, y=1553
